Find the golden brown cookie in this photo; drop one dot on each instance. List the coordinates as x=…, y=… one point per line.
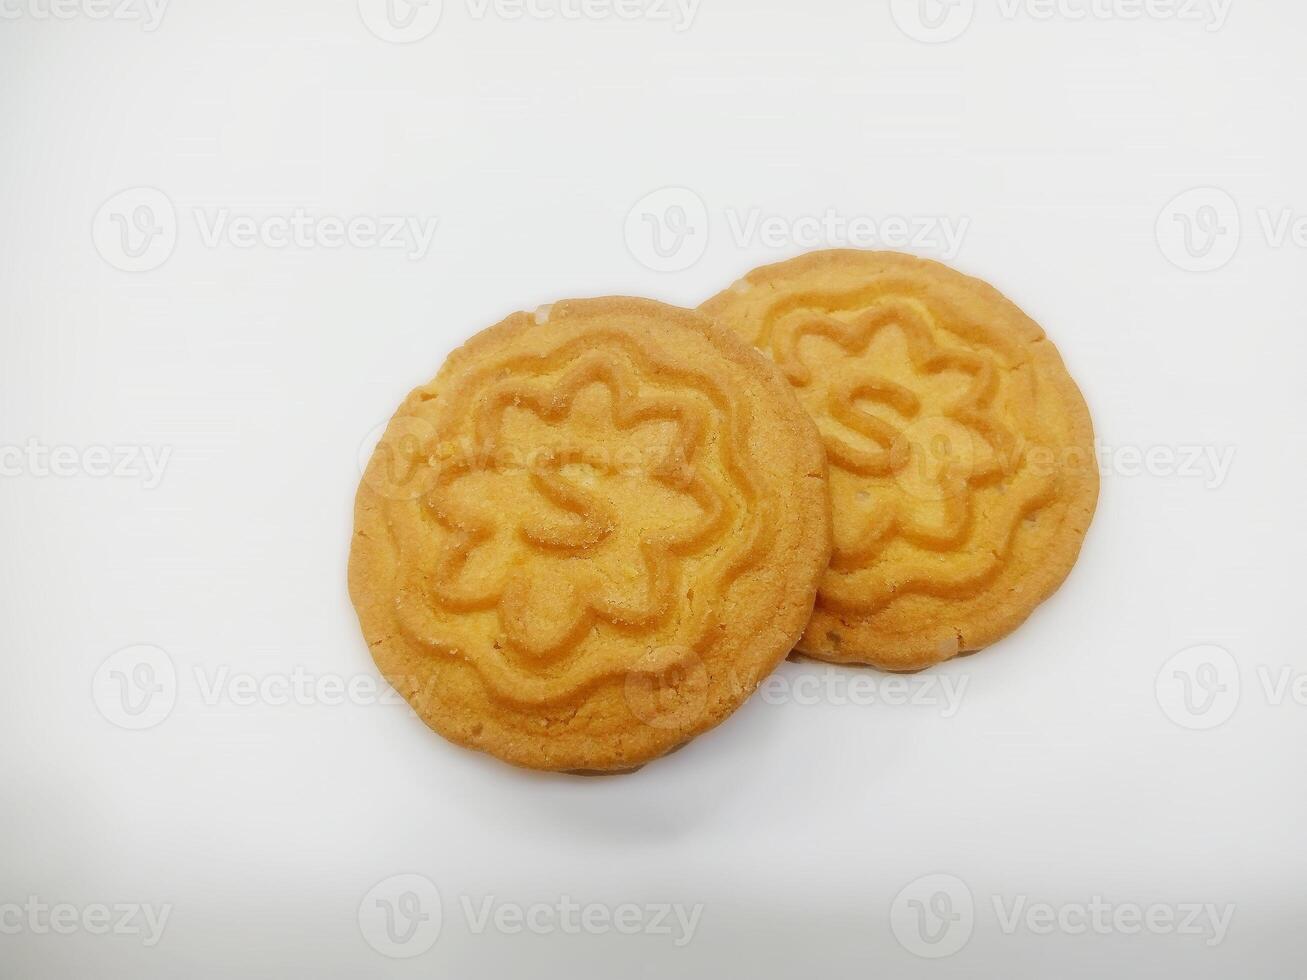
x=591, y=536
x=962, y=467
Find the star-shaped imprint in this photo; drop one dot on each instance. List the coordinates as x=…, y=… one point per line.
x=574, y=503
x=911, y=430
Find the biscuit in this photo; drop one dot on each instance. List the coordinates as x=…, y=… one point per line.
x=592, y=536
x=962, y=467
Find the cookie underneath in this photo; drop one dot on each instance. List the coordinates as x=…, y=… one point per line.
x=962, y=465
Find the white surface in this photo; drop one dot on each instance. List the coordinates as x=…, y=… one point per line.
x=1070, y=769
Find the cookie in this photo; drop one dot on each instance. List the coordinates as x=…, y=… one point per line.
x=962, y=467
x=592, y=536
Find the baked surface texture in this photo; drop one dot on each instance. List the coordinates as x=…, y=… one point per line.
x=591, y=536
x=962, y=466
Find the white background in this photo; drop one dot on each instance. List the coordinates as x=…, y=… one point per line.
x=1069, y=770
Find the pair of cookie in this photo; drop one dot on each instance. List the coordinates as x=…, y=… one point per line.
x=601, y=525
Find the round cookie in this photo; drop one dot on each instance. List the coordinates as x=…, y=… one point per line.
x=962, y=467
x=592, y=536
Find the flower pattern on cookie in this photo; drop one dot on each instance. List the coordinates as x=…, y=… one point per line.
x=563, y=496
x=912, y=431
x=589, y=560
x=917, y=447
